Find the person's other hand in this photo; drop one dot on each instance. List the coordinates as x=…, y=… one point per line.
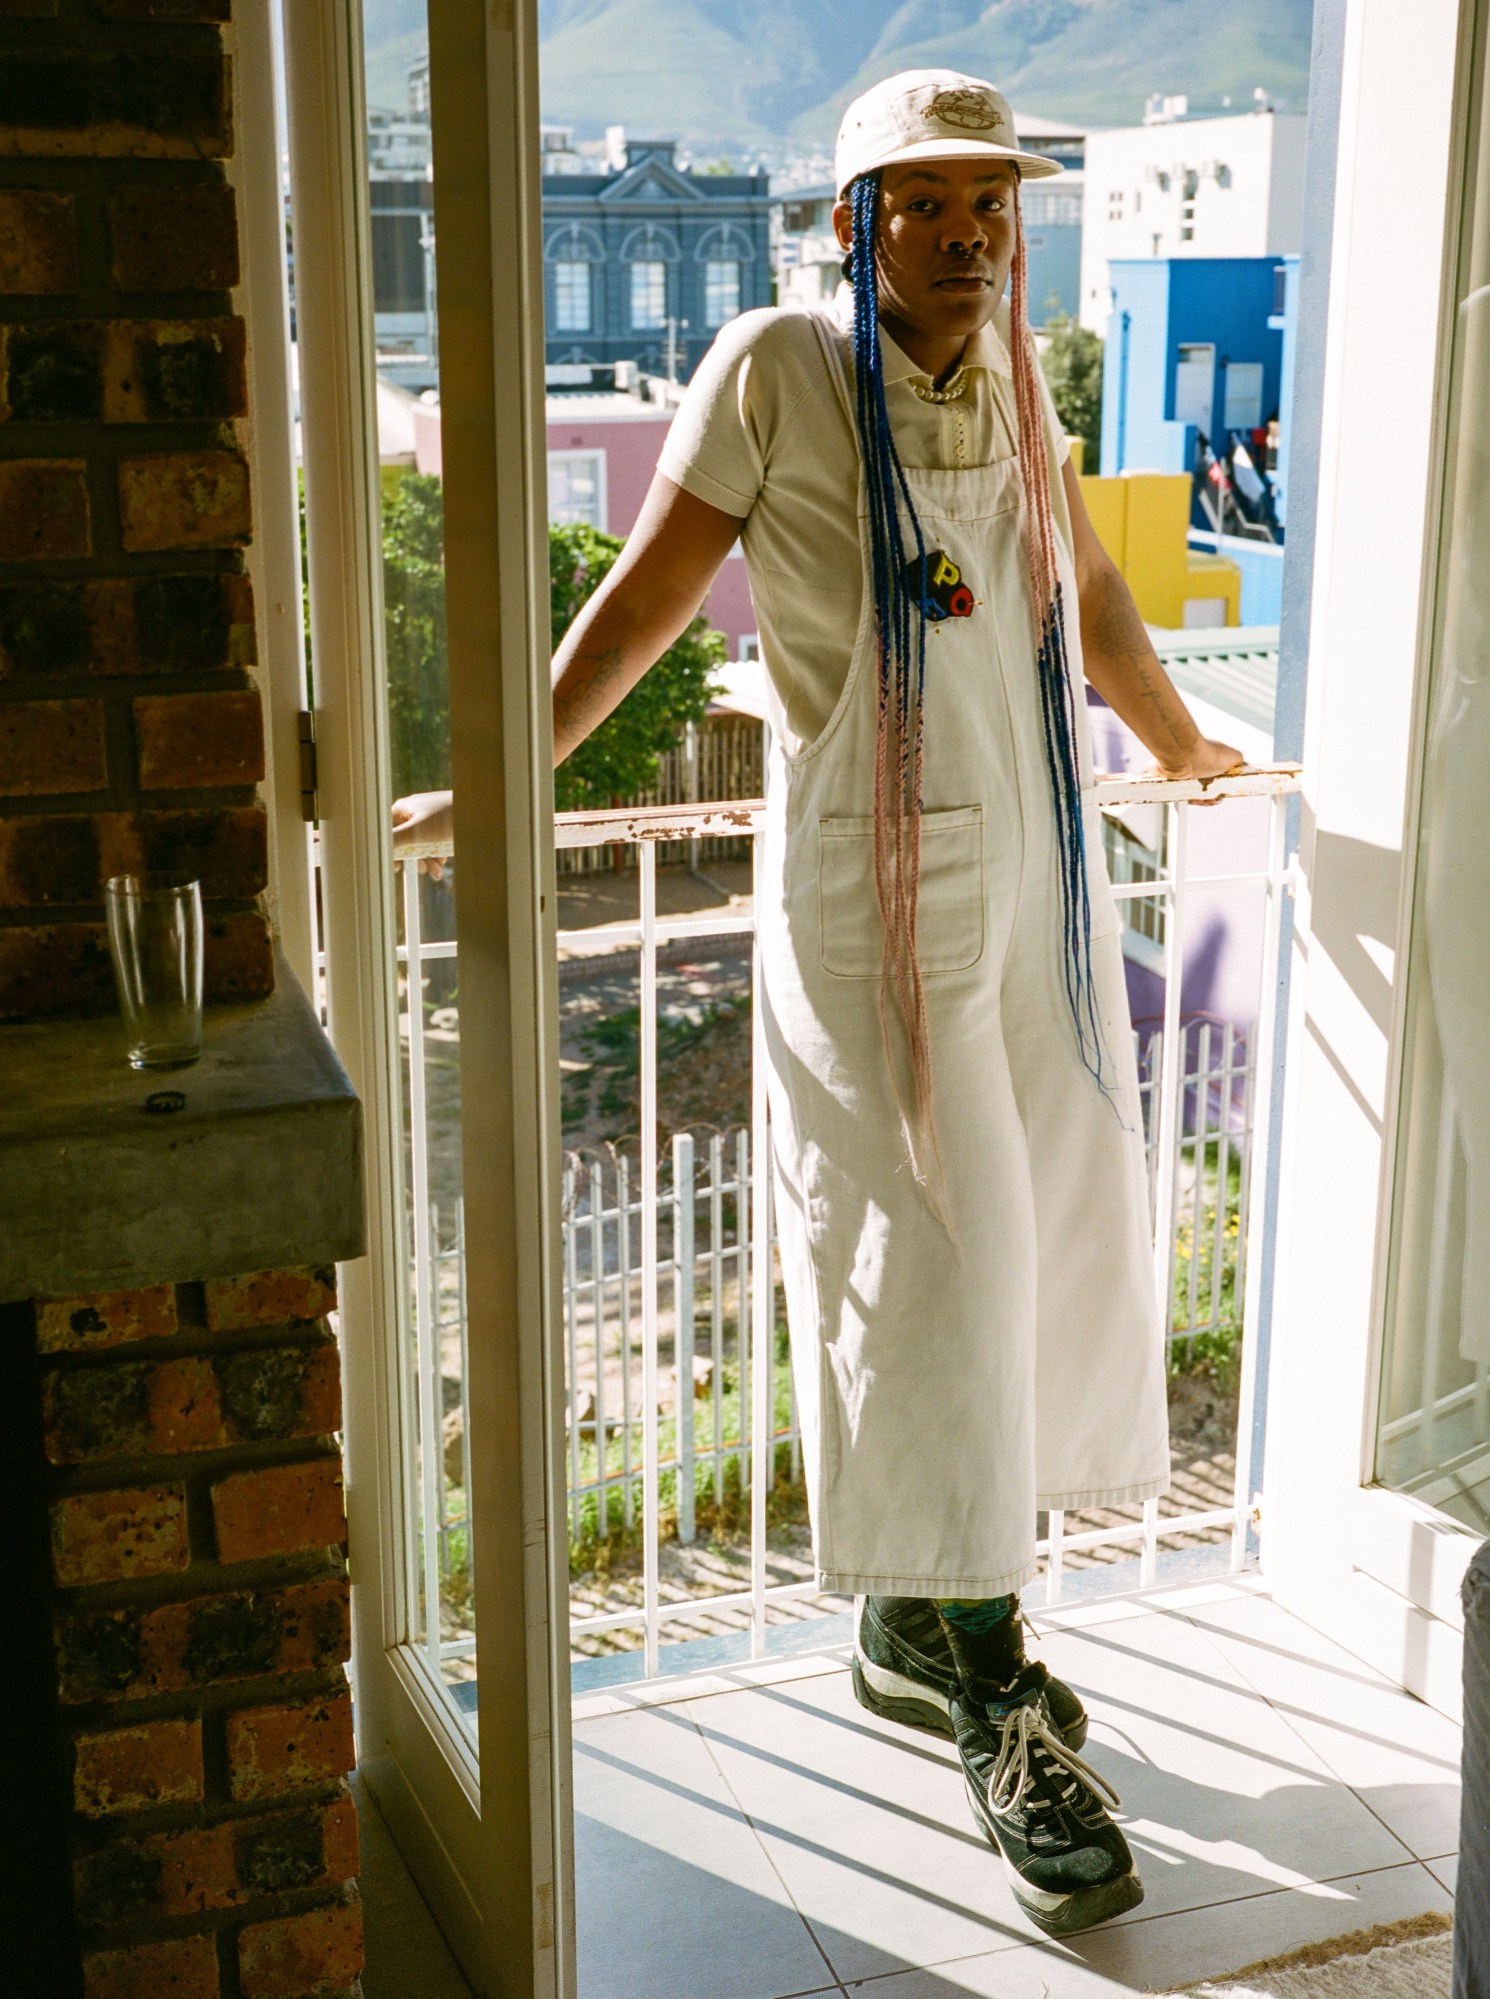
x=424, y=819
x=1207, y=760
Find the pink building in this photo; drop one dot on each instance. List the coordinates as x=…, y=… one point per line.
x=603, y=447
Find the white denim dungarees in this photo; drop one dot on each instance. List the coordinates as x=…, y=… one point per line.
x=946, y=1393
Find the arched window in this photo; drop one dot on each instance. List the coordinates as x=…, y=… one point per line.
x=647, y=252
x=571, y=254
x=724, y=253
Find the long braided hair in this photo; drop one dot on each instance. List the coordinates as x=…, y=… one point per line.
x=901, y=636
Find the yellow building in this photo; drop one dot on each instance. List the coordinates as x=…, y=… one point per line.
x=1142, y=519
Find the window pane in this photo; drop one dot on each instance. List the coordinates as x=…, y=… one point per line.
x=574, y=490
x=571, y=298
x=648, y=296
x=721, y=292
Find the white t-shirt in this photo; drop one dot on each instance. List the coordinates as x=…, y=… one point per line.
x=762, y=433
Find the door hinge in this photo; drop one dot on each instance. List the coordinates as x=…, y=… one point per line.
x=310, y=768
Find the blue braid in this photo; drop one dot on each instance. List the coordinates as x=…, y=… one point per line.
x=902, y=630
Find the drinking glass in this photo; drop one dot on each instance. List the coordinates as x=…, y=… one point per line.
x=155, y=940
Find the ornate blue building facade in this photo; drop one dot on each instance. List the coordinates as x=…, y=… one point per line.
x=646, y=263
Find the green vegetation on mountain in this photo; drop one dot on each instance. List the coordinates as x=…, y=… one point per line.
x=749, y=73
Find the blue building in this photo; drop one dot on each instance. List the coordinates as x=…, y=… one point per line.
x=1194, y=352
x=647, y=261
x=1051, y=212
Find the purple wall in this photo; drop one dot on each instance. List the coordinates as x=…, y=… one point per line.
x=631, y=446
x=1223, y=925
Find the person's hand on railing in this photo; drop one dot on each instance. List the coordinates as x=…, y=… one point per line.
x=424, y=825
x=1206, y=760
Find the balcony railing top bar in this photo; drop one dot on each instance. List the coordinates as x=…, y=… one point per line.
x=627, y=825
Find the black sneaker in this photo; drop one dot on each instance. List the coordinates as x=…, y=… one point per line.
x=904, y=1671
x=1042, y=1807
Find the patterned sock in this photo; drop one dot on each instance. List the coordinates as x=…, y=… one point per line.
x=980, y=1616
x=987, y=1642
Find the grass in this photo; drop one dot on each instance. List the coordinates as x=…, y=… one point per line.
x=1217, y=1306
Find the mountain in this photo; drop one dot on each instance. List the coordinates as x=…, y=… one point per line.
x=744, y=74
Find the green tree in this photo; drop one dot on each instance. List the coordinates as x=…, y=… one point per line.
x=621, y=757
x=1072, y=359
x=414, y=628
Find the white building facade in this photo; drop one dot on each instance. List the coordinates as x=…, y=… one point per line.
x=1189, y=187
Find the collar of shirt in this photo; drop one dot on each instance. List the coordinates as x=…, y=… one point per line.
x=988, y=348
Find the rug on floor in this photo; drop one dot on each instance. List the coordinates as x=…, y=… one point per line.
x=1407, y=1960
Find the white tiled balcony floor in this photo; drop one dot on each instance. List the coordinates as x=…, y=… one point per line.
x=752, y=1841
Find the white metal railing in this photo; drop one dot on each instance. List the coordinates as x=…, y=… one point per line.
x=1223, y=1084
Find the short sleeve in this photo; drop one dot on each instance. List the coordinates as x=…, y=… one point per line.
x=719, y=443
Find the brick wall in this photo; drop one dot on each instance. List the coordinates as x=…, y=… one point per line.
x=130, y=729
x=202, y=1621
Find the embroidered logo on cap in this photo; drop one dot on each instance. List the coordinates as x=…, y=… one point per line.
x=969, y=110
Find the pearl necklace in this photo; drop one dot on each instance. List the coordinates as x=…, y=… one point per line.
x=954, y=391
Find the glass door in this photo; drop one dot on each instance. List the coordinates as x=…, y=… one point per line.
x=1377, y=1487
x=1433, y=1418
x=410, y=132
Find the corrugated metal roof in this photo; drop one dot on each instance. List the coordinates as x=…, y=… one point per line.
x=1235, y=667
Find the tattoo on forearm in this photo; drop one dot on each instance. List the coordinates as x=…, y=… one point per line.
x=605, y=665
x=1113, y=632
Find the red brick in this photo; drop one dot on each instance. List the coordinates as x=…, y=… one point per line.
x=58, y=968
x=190, y=1403
x=227, y=850
x=174, y=239
x=212, y=1640
x=269, y=1297
x=279, y=1511
x=275, y=1393
x=184, y=499
x=162, y=1874
x=105, y=1319
x=51, y=747
x=38, y=242
x=167, y=102
x=190, y=740
x=44, y=509
x=52, y=372
x=63, y=968
x=238, y=958
x=185, y=1968
x=274, y=1749
x=185, y=1414
x=301, y=1957
x=174, y=371
x=132, y=1769
x=165, y=10
x=48, y=859
x=100, y=1537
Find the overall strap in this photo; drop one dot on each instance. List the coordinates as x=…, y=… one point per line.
x=826, y=330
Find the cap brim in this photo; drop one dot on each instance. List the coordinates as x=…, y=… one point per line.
x=1032, y=166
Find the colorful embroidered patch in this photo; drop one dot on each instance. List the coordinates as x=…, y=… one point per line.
x=939, y=590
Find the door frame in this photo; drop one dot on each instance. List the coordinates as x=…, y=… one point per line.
x=487, y=1837
x=1373, y=1568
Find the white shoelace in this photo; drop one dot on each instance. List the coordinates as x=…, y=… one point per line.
x=1029, y=1740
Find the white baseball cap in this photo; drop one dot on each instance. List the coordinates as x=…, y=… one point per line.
x=930, y=114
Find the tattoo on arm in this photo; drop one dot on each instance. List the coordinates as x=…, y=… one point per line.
x=1113, y=635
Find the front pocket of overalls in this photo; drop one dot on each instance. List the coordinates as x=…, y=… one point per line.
x=949, y=901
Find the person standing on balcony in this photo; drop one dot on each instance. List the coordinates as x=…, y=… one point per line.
x=961, y=1193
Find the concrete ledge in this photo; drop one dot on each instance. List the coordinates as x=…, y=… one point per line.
x=260, y=1169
